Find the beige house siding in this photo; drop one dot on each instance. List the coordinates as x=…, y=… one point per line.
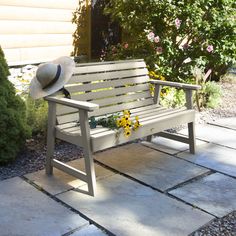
x=33, y=31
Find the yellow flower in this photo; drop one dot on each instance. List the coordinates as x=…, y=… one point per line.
x=127, y=132
x=118, y=122
x=126, y=113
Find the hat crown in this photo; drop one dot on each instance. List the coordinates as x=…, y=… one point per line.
x=46, y=73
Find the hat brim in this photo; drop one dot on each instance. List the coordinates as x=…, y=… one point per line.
x=67, y=70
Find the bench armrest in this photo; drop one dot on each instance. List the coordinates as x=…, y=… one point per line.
x=88, y=106
x=176, y=85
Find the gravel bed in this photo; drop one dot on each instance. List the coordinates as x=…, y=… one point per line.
x=225, y=226
x=32, y=158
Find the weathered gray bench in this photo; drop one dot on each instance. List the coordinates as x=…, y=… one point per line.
x=104, y=88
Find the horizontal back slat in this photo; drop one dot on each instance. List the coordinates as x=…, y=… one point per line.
x=121, y=107
x=109, y=66
x=106, y=84
x=107, y=101
x=107, y=75
x=111, y=92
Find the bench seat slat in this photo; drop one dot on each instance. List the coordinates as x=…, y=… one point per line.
x=75, y=128
x=74, y=117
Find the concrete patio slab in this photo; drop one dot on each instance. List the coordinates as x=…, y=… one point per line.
x=60, y=181
x=91, y=230
x=215, y=157
x=125, y=207
x=229, y=122
x=214, y=193
x=27, y=211
x=169, y=146
x=214, y=134
x=152, y=167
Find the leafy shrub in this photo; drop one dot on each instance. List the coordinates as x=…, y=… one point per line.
x=210, y=95
x=36, y=110
x=175, y=36
x=13, y=127
x=173, y=98
x=36, y=115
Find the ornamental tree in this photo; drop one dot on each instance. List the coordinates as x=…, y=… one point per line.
x=176, y=36
x=13, y=127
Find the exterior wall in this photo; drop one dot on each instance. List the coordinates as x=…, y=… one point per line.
x=33, y=31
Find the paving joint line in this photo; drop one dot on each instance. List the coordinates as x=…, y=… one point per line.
x=90, y=221
x=209, y=168
x=74, y=230
x=192, y=180
x=221, y=126
x=193, y=163
x=153, y=188
x=202, y=139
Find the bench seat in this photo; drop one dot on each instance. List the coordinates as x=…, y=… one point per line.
x=152, y=118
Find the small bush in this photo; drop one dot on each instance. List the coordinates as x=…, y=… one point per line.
x=173, y=98
x=36, y=111
x=13, y=127
x=210, y=95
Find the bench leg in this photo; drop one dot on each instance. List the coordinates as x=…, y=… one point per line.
x=49, y=155
x=192, y=138
x=50, y=137
x=88, y=157
x=90, y=171
x=149, y=138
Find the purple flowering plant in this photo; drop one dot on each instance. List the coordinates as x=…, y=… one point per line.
x=174, y=37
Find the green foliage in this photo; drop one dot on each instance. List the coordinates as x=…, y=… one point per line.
x=175, y=36
x=210, y=95
x=13, y=127
x=37, y=111
x=173, y=97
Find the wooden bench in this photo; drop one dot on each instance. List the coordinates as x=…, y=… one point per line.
x=104, y=88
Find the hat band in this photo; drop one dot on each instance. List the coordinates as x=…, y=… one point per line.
x=57, y=76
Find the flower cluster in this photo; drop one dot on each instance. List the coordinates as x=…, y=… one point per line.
x=127, y=124
x=154, y=39
x=153, y=75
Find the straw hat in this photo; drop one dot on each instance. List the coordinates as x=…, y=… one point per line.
x=51, y=77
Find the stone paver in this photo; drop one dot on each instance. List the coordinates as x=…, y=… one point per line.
x=169, y=146
x=214, y=193
x=157, y=169
x=91, y=230
x=60, y=181
x=125, y=207
x=226, y=122
x=218, y=135
x=215, y=157
x=25, y=211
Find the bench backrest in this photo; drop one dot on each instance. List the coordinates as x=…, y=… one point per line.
x=114, y=85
